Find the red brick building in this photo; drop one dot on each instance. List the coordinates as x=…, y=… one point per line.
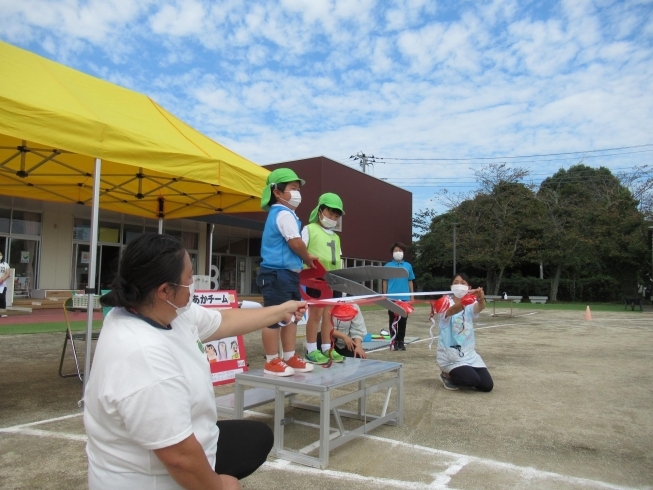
x=377, y=215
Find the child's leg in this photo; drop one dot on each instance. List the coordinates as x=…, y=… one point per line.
x=326, y=337
x=325, y=331
x=288, y=343
x=270, y=338
x=289, y=337
x=314, y=317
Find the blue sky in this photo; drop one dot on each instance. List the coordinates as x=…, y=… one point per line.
x=403, y=80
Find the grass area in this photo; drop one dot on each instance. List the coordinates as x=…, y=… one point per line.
x=45, y=327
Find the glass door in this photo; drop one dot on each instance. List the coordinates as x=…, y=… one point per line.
x=241, y=275
x=228, y=270
x=24, y=257
x=107, y=263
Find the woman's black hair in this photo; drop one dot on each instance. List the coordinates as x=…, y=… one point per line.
x=281, y=187
x=463, y=276
x=149, y=261
x=402, y=246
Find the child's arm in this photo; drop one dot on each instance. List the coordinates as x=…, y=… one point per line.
x=298, y=246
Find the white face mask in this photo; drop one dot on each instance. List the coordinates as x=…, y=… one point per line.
x=295, y=198
x=459, y=290
x=186, y=307
x=328, y=222
x=398, y=256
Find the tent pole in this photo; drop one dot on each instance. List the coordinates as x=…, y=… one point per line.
x=160, y=226
x=90, y=287
x=210, y=252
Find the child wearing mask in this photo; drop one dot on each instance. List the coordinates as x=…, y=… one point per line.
x=324, y=243
x=282, y=253
x=457, y=357
x=399, y=285
x=4, y=277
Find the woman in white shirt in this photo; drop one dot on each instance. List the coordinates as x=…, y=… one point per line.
x=149, y=411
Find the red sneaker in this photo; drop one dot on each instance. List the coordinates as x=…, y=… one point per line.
x=277, y=367
x=298, y=364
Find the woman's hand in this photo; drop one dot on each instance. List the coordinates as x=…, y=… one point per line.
x=480, y=294
x=296, y=308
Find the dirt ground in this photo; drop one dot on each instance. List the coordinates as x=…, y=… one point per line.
x=572, y=408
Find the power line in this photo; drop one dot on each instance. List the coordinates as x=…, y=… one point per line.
x=363, y=159
x=521, y=156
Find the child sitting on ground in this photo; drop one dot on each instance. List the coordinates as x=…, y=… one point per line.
x=349, y=337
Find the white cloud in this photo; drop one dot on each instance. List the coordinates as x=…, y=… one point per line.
x=286, y=79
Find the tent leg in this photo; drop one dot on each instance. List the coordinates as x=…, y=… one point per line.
x=160, y=226
x=90, y=288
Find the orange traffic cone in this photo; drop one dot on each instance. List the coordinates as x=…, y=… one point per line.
x=588, y=314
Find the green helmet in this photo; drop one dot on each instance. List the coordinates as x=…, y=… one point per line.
x=277, y=176
x=330, y=200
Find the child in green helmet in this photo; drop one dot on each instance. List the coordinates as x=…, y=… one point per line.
x=322, y=241
x=282, y=254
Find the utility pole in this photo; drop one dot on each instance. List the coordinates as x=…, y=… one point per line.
x=454, y=248
x=363, y=160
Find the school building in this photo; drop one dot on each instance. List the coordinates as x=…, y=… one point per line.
x=48, y=243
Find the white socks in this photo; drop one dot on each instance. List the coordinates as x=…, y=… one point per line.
x=311, y=346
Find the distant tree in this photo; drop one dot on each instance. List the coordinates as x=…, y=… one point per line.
x=639, y=182
x=493, y=225
x=592, y=223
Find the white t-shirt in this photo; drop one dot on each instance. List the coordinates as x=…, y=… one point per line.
x=287, y=224
x=149, y=388
x=4, y=267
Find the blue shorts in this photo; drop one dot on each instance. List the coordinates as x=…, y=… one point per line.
x=278, y=286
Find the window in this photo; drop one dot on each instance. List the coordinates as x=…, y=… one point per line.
x=5, y=218
x=26, y=223
x=190, y=240
x=82, y=230
x=108, y=232
x=130, y=232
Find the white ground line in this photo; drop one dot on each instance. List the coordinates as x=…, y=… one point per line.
x=440, y=481
x=442, y=478
x=46, y=433
x=46, y=421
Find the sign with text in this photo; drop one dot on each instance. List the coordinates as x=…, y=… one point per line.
x=226, y=356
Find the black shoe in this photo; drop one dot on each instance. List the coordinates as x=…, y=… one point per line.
x=401, y=346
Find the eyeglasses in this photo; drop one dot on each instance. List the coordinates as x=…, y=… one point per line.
x=182, y=285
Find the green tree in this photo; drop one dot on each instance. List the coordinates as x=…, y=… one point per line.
x=592, y=225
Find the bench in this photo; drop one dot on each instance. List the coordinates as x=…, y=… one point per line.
x=538, y=299
x=632, y=302
x=254, y=397
x=495, y=299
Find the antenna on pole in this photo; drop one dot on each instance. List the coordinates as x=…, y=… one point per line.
x=363, y=160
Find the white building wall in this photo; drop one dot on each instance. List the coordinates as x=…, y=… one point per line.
x=56, y=250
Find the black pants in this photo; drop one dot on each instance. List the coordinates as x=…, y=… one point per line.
x=471, y=377
x=343, y=352
x=401, y=326
x=3, y=299
x=243, y=446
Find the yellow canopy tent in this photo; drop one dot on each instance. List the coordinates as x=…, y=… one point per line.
x=54, y=121
x=69, y=137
